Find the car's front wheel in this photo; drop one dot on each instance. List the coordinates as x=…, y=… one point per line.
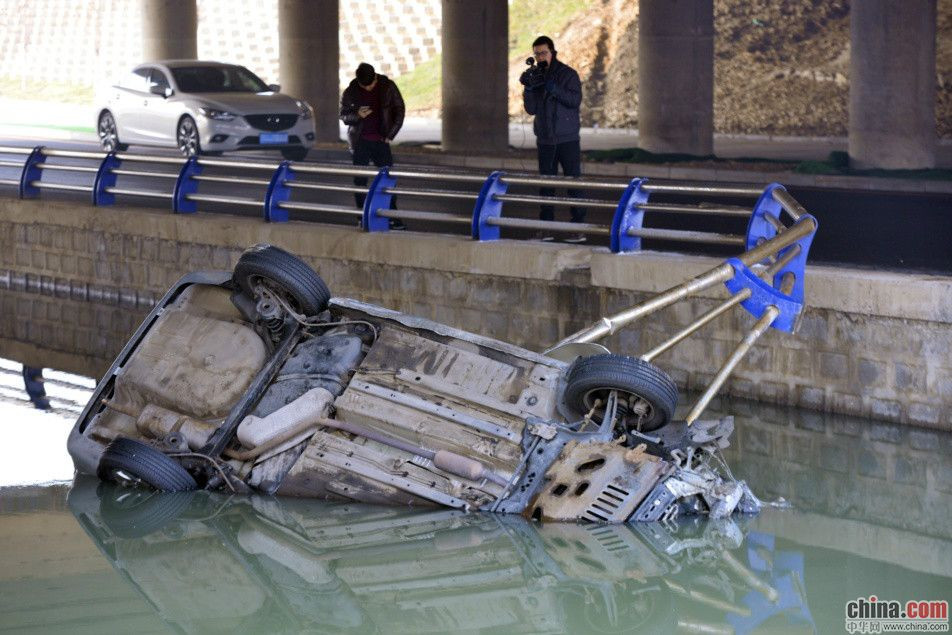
x=294, y=154
x=186, y=137
x=109, y=133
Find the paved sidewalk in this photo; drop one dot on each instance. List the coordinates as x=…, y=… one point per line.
x=75, y=122
x=45, y=121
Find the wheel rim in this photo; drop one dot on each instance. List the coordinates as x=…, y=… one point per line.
x=633, y=409
x=188, y=138
x=108, y=135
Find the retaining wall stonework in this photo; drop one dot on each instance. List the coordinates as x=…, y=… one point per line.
x=870, y=344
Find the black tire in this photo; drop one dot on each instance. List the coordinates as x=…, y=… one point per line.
x=294, y=154
x=134, y=513
x=282, y=273
x=186, y=137
x=108, y=133
x=144, y=464
x=590, y=378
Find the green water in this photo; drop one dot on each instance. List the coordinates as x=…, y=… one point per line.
x=871, y=516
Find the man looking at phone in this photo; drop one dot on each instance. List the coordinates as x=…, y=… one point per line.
x=373, y=109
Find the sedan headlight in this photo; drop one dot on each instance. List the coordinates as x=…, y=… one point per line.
x=304, y=109
x=219, y=115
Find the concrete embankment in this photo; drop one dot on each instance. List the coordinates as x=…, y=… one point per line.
x=871, y=343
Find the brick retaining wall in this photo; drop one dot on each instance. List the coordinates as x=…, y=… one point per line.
x=871, y=344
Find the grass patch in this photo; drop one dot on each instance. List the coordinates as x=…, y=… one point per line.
x=637, y=155
x=89, y=129
x=421, y=86
x=17, y=88
x=836, y=164
x=527, y=20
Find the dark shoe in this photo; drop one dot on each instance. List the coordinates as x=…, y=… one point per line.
x=576, y=238
x=397, y=224
x=544, y=237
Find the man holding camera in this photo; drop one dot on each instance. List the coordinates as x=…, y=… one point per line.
x=553, y=93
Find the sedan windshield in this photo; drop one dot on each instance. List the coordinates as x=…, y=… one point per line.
x=217, y=79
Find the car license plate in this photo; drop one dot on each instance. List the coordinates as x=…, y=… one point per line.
x=273, y=137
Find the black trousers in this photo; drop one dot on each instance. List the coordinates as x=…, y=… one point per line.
x=379, y=153
x=569, y=156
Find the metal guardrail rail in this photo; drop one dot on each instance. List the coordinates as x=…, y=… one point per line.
x=767, y=279
x=282, y=179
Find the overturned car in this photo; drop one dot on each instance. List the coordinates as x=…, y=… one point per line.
x=258, y=380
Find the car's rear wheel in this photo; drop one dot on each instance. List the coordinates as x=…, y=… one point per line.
x=647, y=396
x=294, y=154
x=129, y=461
x=109, y=133
x=186, y=137
x=266, y=269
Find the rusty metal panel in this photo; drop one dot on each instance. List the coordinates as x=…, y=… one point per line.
x=599, y=482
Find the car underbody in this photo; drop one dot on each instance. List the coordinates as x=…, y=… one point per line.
x=256, y=380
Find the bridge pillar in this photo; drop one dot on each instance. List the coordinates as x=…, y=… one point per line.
x=892, y=84
x=308, y=59
x=676, y=76
x=475, y=75
x=169, y=29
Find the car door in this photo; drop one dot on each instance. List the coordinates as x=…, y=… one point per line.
x=127, y=105
x=160, y=113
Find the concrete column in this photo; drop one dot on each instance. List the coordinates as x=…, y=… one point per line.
x=892, y=84
x=475, y=68
x=309, y=59
x=169, y=29
x=676, y=76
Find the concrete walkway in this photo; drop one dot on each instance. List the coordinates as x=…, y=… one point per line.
x=48, y=121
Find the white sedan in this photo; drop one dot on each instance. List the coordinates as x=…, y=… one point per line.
x=203, y=108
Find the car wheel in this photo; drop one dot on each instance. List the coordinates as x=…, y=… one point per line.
x=647, y=395
x=186, y=137
x=109, y=133
x=126, y=460
x=268, y=269
x=294, y=154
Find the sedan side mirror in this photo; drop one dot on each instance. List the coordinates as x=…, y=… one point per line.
x=275, y=88
x=161, y=91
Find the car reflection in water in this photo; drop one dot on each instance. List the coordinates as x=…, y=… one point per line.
x=209, y=563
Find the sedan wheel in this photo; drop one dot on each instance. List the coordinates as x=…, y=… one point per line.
x=187, y=137
x=109, y=133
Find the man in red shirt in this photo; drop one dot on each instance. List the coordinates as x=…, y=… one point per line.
x=373, y=109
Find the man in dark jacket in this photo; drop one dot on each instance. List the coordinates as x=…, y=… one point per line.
x=553, y=93
x=373, y=109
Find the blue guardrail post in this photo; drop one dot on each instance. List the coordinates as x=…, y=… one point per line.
x=762, y=293
x=31, y=173
x=488, y=206
x=278, y=192
x=628, y=216
x=105, y=178
x=378, y=198
x=186, y=185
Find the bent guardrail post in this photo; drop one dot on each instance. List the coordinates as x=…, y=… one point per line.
x=278, y=192
x=105, y=178
x=378, y=198
x=186, y=185
x=31, y=172
x=488, y=206
x=628, y=215
x=805, y=227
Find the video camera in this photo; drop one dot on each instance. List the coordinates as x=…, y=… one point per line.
x=534, y=76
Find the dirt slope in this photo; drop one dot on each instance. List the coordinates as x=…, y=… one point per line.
x=781, y=66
